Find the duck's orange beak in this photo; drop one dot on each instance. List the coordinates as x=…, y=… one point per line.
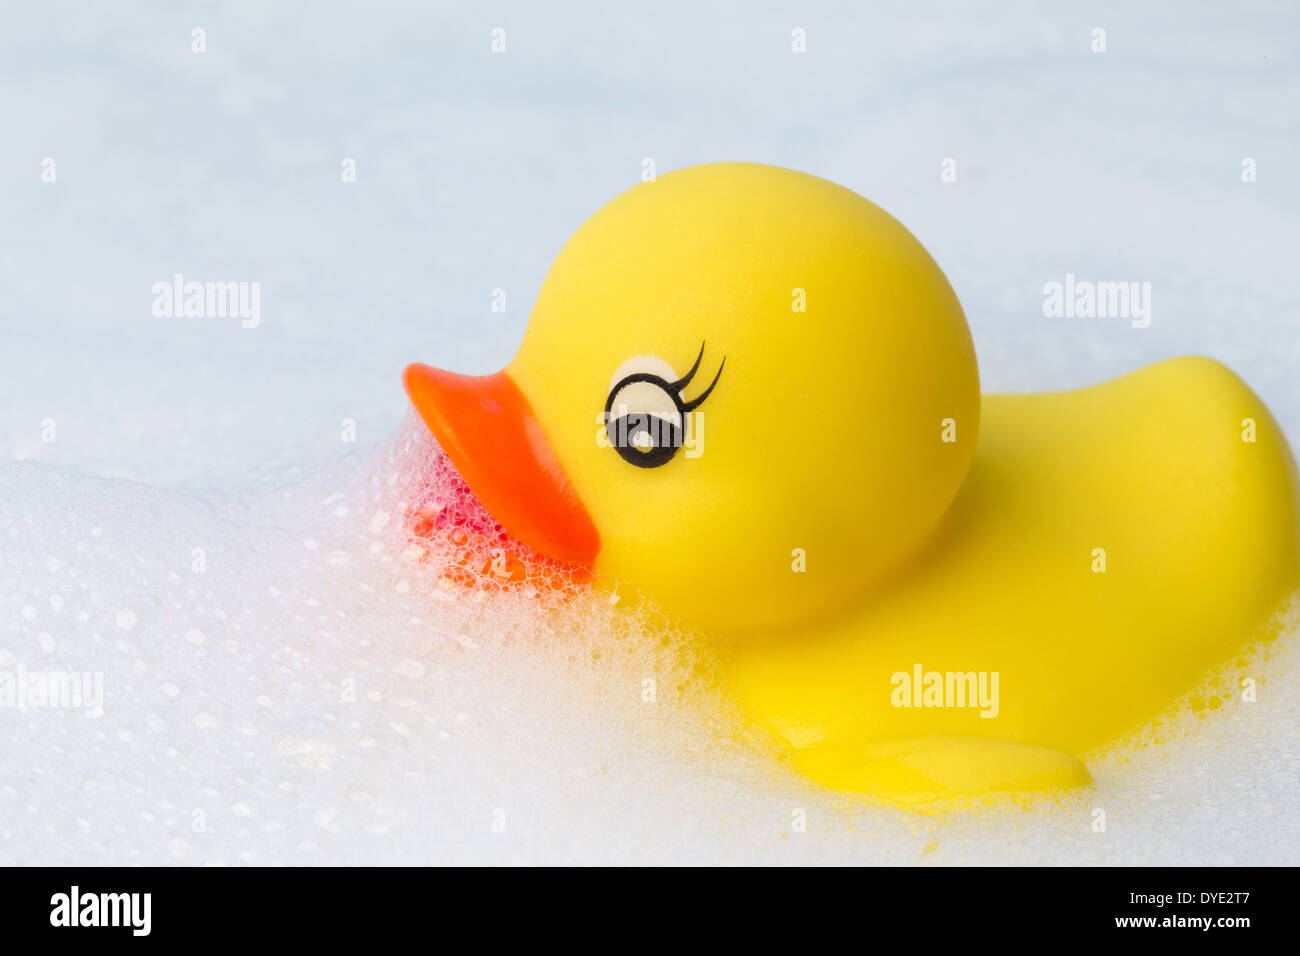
x=487, y=428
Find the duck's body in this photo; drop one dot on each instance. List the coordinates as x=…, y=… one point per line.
x=1109, y=547
x=853, y=518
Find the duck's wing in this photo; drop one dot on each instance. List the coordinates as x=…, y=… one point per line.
x=1113, y=550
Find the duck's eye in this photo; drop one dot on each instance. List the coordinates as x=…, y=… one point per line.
x=644, y=421
x=645, y=414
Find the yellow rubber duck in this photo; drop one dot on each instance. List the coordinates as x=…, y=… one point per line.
x=752, y=394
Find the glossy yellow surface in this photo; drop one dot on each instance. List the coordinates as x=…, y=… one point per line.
x=1149, y=474
x=846, y=523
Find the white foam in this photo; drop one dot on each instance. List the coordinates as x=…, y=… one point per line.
x=314, y=693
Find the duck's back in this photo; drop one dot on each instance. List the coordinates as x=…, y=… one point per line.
x=1109, y=550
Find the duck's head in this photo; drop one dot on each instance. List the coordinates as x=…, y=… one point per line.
x=744, y=391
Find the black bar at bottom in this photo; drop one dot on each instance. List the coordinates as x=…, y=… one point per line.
x=340, y=906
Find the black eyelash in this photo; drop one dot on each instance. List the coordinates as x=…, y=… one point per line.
x=685, y=380
x=697, y=402
x=674, y=389
x=679, y=386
